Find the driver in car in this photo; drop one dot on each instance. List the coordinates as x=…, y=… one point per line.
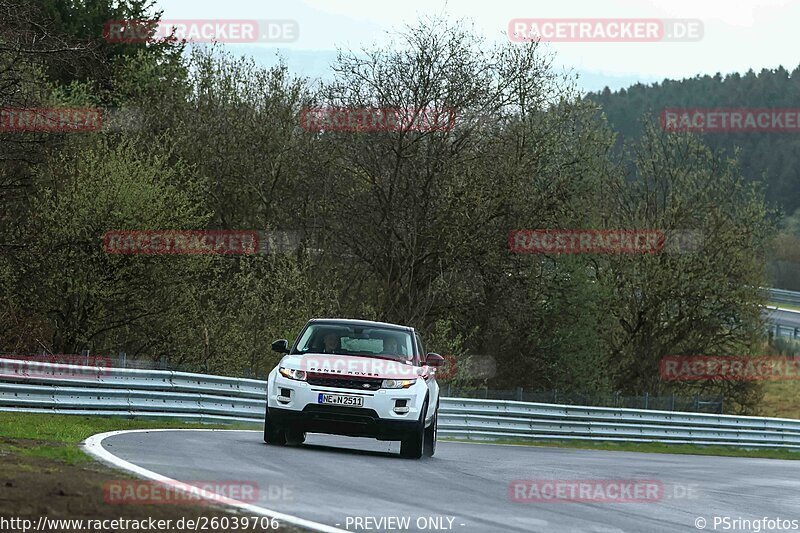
x=331, y=343
x=391, y=347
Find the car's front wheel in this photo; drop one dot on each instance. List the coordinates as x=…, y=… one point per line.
x=295, y=437
x=429, y=443
x=412, y=445
x=273, y=434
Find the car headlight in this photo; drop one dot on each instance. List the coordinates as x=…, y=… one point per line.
x=397, y=383
x=299, y=375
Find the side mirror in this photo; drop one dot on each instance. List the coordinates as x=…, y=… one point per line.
x=280, y=346
x=434, y=359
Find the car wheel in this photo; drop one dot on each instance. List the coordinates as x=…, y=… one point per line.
x=295, y=437
x=273, y=434
x=411, y=447
x=429, y=444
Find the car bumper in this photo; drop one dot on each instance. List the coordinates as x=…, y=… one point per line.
x=336, y=420
x=379, y=417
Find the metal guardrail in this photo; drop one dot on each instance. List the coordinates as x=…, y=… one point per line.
x=53, y=388
x=783, y=322
x=782, y=296
x=696, y=403
x=492, y=419
x=56, y=388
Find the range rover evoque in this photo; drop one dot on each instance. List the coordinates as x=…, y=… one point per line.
x=357, y=378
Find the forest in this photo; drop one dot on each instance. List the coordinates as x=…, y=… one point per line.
x=409, y=225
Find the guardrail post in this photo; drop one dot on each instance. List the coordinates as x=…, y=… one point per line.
x=122, y=359
x=519, y=394
x=646, y=400
x=672, y=402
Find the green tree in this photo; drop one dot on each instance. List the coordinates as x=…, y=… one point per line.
x=93, y=299
x=684, y=300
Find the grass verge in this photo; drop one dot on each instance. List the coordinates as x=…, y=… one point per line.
x=46, y=476
x=781, y=399
x=57, y=436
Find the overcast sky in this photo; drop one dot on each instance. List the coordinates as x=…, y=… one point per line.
x=738, y=34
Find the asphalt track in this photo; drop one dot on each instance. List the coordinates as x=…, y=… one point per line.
x=334, y=480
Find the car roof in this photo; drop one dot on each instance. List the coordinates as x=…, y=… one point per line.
x=354, y=322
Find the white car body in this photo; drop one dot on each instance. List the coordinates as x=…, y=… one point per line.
x=295, y=406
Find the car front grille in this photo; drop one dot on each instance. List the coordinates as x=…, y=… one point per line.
x=364, y=384
x=338, y=414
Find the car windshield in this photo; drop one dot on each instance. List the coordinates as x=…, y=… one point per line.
x=345, y=339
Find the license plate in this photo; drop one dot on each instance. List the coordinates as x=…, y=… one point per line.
x=340, y=399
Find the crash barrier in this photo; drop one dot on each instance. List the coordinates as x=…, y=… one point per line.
x=51, y=388
x=695, y=403
x=782, y=321
x=59, y=388
x=782, y=296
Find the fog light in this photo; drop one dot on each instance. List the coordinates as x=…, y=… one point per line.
x=400, y=407
x=285, y=395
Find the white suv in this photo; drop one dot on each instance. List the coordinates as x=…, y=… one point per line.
x=356, y=378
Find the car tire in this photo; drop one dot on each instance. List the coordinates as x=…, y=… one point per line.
x=273, y=434
x=412, y=445
x=429, y=442
x=295, y=437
